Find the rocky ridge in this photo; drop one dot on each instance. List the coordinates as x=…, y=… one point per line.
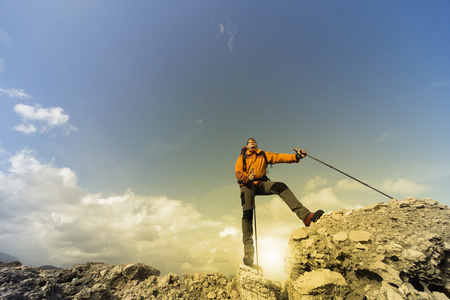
x=108, y=282
x=394, y=250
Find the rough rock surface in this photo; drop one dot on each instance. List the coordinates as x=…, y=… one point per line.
x=394, y=250
x=100, y=281
x=253, y=286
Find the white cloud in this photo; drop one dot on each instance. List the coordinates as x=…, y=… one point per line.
x=199, y=121
x=53, y=116
x=229, y=231
x=349, y=185
x=47, y=218
x=15, y=93
x=404, y=186
x=24, y=162
x=25, y=128
x=275, y=211
x=229, y=31
x=44, y=118
x=315, y=182
x=324, y=199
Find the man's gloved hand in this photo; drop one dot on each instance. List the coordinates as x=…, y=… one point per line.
x=300, y=153
x=251, y=177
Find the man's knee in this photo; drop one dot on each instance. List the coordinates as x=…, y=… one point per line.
x=242, y=198
x=248, y=215
x=278, y=187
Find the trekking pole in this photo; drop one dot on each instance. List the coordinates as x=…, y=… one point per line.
x=254, y=220
x=256, y=236
x=296, y=150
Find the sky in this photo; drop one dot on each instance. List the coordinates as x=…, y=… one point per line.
x=121, y=123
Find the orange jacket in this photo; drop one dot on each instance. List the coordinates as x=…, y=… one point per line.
x=255, y=161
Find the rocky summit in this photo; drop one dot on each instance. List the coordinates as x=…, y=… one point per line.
x=386, y=251
x=394, y=250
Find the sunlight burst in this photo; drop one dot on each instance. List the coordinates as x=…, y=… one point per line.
x=271, y=255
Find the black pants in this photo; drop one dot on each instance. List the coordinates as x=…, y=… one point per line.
x=248, y=204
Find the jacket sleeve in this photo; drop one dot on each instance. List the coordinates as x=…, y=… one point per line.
x=241, y=176
x=277, y=158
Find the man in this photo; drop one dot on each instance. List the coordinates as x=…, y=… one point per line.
x=250, y=170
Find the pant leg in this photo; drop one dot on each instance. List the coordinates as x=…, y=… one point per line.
x=248, y=204
x=247, y=232
x=281, y=189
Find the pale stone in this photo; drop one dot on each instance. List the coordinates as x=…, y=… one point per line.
x=340, y=236
x=309, y=243
x=318, y=280
x=300, y=234
x=360, y=236
x=375, y=206
x=413, y=255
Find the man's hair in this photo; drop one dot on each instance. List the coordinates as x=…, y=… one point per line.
x=251, y=139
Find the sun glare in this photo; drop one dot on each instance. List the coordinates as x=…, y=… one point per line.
x=271, y=252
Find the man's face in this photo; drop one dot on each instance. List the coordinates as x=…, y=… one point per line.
x=252, y=144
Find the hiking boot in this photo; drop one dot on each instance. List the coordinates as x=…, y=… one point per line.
x=248, y=260
x=313, y=217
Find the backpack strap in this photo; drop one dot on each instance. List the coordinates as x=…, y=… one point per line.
x=244, y=158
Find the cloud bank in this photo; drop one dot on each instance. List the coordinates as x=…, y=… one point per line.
x=47, y=218
x=404, y=187
x=332, y=196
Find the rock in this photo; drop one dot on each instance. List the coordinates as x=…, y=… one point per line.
x=360, y=236
x=105, y=282
x=340, y=236
x=388, y=273
x=321, y=281
x=253, y=286
x=398, y=250
x=211, y=295
x=299, y=234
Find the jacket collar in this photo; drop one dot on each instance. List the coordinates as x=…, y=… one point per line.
x=253, y=151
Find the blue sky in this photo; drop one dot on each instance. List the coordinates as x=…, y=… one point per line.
x=120, y=123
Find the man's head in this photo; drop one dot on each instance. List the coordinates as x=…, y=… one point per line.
x=251, y=144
